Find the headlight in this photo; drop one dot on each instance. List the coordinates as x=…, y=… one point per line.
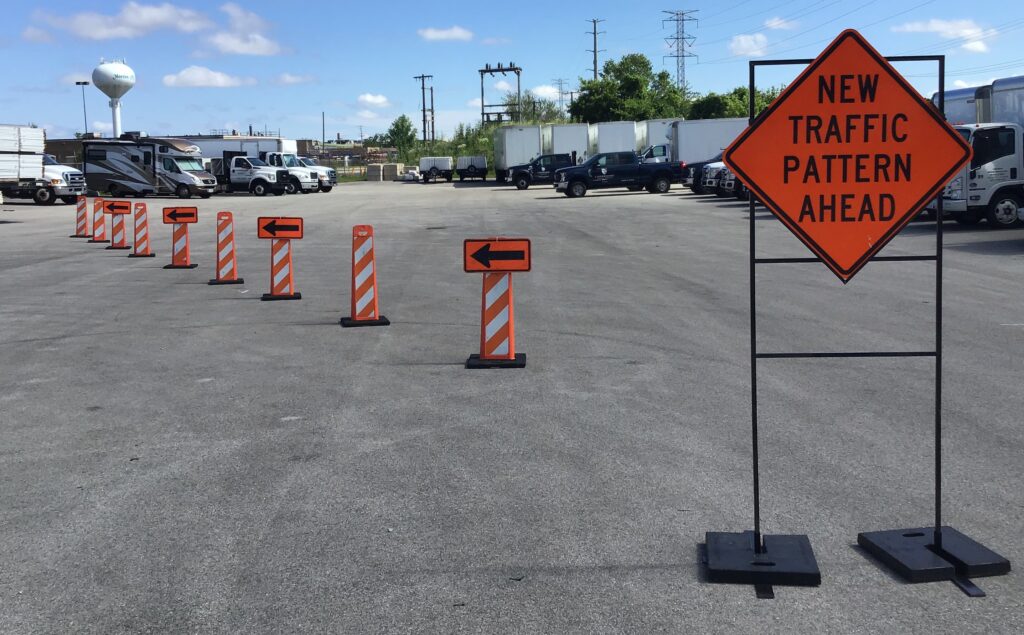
x=323, y=177
x=55, y=181
x=271, y=177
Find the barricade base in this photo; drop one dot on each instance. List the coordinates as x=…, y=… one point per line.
x=93, y=240
x=120, y=247
x=134, y=255
x=475, y=361
x=192, y=266
x=270, y=297
x=348, y=322
x=787, y=560
x=235, y=281
x=912, y=554
x=80, y=236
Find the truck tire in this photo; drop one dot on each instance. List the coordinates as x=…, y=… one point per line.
x=1003, y=211
x=522, y=182
x=326, y=188
x=201, y=195
x=660, y=185
x=182, y=191
x=576, y=189
x=70, y=200
x=44, y=196
x=292, y=186
x=448, y=177
x=433, y=173
x=259, y=188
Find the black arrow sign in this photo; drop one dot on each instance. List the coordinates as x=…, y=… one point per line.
x=484, y=255
x=176, y=215
x=273, y=226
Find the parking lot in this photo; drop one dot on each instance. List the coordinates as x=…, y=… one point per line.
x=186, y=458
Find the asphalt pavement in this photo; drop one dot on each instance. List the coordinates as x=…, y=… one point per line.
x=178, y=457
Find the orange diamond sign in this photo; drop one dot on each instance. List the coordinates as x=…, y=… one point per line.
x=848, y=154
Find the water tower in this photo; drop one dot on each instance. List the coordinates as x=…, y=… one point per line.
x=114, y=79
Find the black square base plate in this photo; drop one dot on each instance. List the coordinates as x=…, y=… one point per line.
x=180, y=266
x=235, y=281
x=142, y=255
x=911, y=553
x=270, y=297
x=93, y=240
x=348, y=322
x=786, y=560
x=474, y=361
x=77, y=236
x=120, y=247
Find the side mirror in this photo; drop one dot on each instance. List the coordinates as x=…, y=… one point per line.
x=974, y=174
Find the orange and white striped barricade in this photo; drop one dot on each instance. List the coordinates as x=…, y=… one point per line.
x=99, y=226
x=118, y=233
x=227, y=263
x=180, y=218
x=81, y=218
x=497, y=259
x=143, y=248
x=365, y=304
x=281, y=230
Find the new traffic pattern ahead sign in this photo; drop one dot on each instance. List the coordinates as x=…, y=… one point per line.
x=180, y=215
x=848, y=154
x=281, y=227
x=496, y=254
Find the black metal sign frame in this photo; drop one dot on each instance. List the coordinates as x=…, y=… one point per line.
x=917, y=554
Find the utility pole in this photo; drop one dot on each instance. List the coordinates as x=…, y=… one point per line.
x=595, y=50
x=323, y=131
x=360, y=135
x=432, y=121
x=681, y=43
x=85, y=117
x=423, y=101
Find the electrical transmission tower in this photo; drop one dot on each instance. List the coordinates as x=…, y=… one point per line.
x=428, y=125
x=595, y=50
x=562, y=92
x=681, y=44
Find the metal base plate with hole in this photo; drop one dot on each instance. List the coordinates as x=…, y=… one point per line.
x=911, y=554
x=348, y=322
x=475, y=361
x=786, y=560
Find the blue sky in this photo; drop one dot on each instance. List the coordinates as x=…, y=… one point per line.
x=210, y=65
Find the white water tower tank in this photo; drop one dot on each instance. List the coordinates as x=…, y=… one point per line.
x=114, y=79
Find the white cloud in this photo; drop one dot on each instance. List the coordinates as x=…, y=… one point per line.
x=105, y=127
x=545, y=92
x=71, y=78
x=502, y=85
x=779, y=23
x=748, y=45
x=975, y=37
x=373, y=101
x=202, y=77
x=35, y=34
x=451, y=33
x=288, y=79
x=474, y=103
x=367, y=114
x=245, y=34
x=134, y=20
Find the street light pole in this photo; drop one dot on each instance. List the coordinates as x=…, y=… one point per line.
x=85, y=117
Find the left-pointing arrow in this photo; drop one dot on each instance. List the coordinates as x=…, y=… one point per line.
x=176, y=215
x=273, y=227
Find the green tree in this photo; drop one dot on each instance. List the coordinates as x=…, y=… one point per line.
x=628, y=89
x=402, y=136
x=731, y=104
x=534, y=109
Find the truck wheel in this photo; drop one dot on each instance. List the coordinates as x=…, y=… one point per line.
x=448, y=177
x=433, y=174
x=201, y=195
x=70, y=200
x=967, y=218
x=660, y=185
x=183, y=192
x=1003, y=211
x=259, y=188
x=576, y=189
x=44, y=196
x=522, y=182
x=326, y=188
x=292, y=186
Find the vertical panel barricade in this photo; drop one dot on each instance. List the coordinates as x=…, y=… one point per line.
x=81, y=218
x=227, y=262
x=282, y=275
x=143, y=248
x=99, y=226
x=364, y=299
x=118, y=233
x=497, y=258
x=180, y=218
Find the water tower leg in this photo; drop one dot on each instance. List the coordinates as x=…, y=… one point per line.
x=115, y=109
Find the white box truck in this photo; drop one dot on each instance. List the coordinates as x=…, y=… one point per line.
x=698, y=140
x=991, y=187
x=578, y=140
x=275, y=151
x=515, y=145
x=617, y=136
x=25, y=172
x=656, y=132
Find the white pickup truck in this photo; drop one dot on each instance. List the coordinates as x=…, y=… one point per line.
x=248, y=174
x=328, y=177
x=302, y=179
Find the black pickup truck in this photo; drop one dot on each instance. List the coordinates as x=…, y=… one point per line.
x=617, y=169
x=539, y=171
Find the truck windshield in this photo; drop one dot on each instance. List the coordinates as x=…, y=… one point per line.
x=310, y=163
x=189, y=165
x=257, y=163
x=49, y=160
x=291, y=161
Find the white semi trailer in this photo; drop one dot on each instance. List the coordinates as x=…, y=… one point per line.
x=618, y=136
x=697, y=140
x=515, y=145
x=578, y=140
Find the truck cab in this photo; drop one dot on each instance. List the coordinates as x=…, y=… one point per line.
x=991, y=187
x=301, y=178
x=540, y=170
x=328, y=177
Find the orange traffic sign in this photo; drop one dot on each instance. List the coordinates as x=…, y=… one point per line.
x=496, y=254
x=180, y=215
x=117, y=207
x=848, y=154
x=281, y=227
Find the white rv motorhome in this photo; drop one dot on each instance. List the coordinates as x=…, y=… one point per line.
x=139, y=165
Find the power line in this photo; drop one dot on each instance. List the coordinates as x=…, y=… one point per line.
x=681, y=43
x=595, y=50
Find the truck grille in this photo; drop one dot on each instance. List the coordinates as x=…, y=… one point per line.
x=75, y=179
x=282, y=176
